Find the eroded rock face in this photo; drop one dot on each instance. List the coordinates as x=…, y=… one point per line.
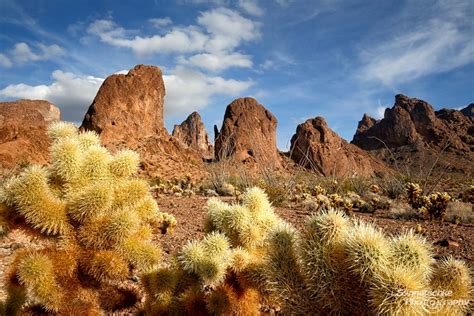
x=128, y=112
x=412, y=134
x=23, y=125
x=192, y=134
x=248, y=134
x=128, y=107
x=315, y=146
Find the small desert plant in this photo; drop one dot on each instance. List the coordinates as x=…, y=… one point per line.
x=102, y=216
x=460, y=212
x=435, y=205
x=468, y=195
x=432, y=206
x=413, y=193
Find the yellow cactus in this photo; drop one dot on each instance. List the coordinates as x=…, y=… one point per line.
x=102, y=214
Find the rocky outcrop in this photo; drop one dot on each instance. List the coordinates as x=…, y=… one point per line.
x=128, y=112
x=23, y=126
x=414, y=135
x=468, y=111
x=315, y=146
x=128, y=108
x=192, y=134
x=248, y=134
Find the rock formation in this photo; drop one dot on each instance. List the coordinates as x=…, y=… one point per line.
x=192, y=133
x=128, y=112
x=248, y=134
x=468, y=111
x=413, y=134
x=128, y=108
x=315, y=146
x=23, y=126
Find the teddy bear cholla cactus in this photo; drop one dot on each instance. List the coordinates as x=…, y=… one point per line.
x=337, y=265
x=102, y=215
x=216, y=275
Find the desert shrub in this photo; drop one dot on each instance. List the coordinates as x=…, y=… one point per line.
x=336, y=265
x=102, y=216
x=392, y=187
x=468, y=195
x=219, y=273
x=460, y=212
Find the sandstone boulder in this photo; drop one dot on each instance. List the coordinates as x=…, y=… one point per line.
x=315, y=146
x=192, y=134
x=23, y=126
x=128, y=112
x=248, y=134
x=413, y=135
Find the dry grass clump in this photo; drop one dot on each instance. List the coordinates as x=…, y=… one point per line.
x=460, y=212
x=102, y=216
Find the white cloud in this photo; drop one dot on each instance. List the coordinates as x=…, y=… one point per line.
x=228, y=29
x=217, y=30
x=251, y=7
x=186, y=90
x=160, y=22
x=267, y=64
x=5, y=61
x=189, y=90
x=22, y=53
x=71, y=92
x=434, y=47
x=218, y=62
x=176, y=41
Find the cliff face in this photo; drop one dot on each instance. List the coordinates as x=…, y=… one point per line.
x=415, y=135
x=23, y=126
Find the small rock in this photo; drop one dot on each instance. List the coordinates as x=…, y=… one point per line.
x=210, y=192
x=447, y=242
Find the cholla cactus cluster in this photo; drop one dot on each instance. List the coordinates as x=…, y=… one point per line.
x=338, y=265
x=414, y=193
x=433, y=205
x=102, y=215
x=218, y=275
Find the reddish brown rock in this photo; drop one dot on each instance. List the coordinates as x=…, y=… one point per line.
x=128, y=108
x=23, y=126
x=128, y=112
x=248, y=134
x=414, y=136
x=192, y=134
x=315, y=146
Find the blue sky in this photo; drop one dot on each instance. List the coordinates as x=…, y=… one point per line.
x=301, y=59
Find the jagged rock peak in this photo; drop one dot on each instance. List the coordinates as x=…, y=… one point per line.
x=248, y=134
x=192, y=133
